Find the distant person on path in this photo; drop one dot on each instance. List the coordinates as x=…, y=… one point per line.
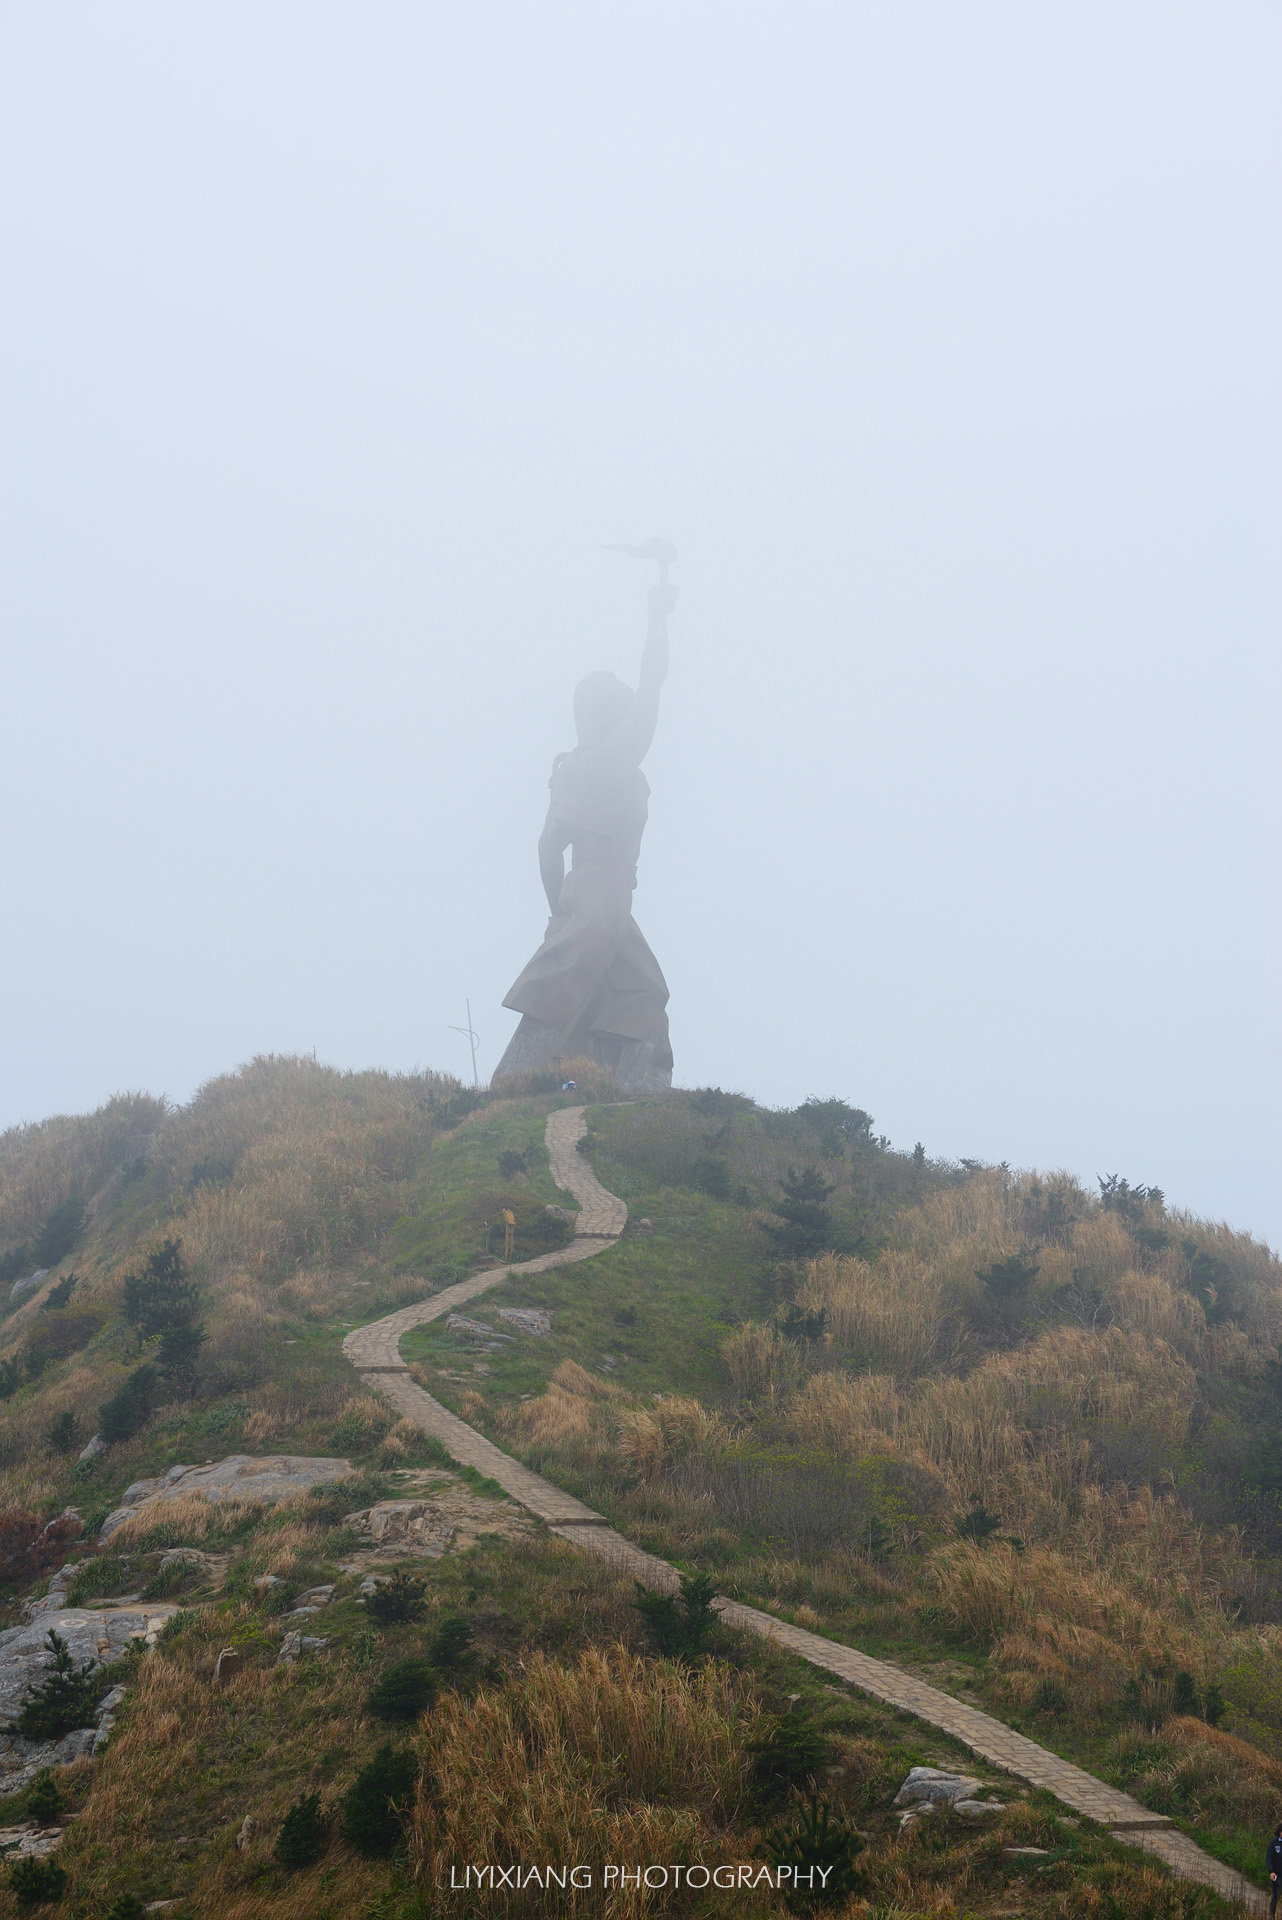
x=1273, y=1864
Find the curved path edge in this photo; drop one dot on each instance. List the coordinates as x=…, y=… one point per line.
x=374, y=1351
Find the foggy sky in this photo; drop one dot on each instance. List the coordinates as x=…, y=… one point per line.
x=940, y=339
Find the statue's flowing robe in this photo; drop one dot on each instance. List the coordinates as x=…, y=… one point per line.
x=594, y=973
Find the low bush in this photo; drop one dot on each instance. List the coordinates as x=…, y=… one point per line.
x=374, y=1807
x=823, y=1845
x=37, y=1882
x=404, y=1690
x=680, y=1624
x=129, y=1408
x=398, y=1601
x=304, y=1832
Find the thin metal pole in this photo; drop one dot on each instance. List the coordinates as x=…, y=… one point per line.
x=473, y=1040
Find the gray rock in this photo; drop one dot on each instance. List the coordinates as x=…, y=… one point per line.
x=96, y=1637
x=415, y=1522
x=927, y=1786
x=974, y=1808
x=241, y=1476
x=21, y=1288
x=295, y=1644
x=96, y=1446
x=245, y=1837
x=29, y=1843
x=459, y=1323
x=315, y=1597
x=528, y=1319
x=1028, y=1853
x=562, y=1213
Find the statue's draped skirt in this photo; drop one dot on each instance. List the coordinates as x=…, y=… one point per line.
x=595, y=972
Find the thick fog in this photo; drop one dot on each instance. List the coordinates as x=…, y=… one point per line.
x=941, y=340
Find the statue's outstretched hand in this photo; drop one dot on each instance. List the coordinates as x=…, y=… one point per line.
x=662, y=600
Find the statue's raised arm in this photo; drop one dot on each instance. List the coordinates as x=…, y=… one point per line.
x=594, y=988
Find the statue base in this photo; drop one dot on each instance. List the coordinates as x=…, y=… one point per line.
x=535, y=1045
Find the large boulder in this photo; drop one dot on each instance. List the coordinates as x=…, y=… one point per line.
x=240, y=1477
x=94, y=1636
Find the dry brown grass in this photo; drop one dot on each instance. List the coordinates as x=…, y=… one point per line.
x=187, y=1518
x=71, y=1155
x=760, y=1361
x=891, y=1314
x=613, y=1758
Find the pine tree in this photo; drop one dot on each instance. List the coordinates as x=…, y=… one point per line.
x=805, y=1227
x=65, y=1699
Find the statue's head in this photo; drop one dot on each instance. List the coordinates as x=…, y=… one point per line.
x=600, y=702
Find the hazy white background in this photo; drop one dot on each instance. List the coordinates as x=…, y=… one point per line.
x=942, y=341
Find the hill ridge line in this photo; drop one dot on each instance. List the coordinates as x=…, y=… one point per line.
x=375, y=1350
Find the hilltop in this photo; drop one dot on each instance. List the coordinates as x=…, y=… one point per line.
x=1022, y=1438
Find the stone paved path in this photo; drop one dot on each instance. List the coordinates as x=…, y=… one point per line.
x=375, y=1352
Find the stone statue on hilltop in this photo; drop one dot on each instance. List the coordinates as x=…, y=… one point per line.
x=594, y=988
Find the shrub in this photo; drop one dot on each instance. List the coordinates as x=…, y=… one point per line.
x=65, y=1699
x=373, y=1806
x=511, y=1162
x=822, y=1844
x=711, y=1174
x=1007, y=1281
x=978, y=1524
x=58, y=1296
x=161, y=1303
x=304, y=1832
x=60, y=1333
x=680, y=1625
x=786, y=1756
x=398, y=1600
x=63, y=1434
x=804, y=1226
x=125, y=1906
x=129, y=1408
x=15, y=1263
x=404, y=1690
x=37, y=1882
x=451, y=1645
x=42, y=1800
x=59, y=1234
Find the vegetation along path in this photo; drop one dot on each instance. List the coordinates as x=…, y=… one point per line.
x=374, y=1351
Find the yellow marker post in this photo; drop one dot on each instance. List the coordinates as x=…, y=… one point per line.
x=509, y=1232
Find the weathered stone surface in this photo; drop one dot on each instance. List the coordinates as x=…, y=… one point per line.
x=29, y=1842
x=21, y=1288
x=414, y=1525
x=96, y=1446
x=529, y=1319
x=928, y=1786
x=295, y=1644
x=241, y=1476
x=97, y=1635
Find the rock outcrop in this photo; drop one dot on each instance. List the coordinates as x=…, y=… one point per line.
x=240, y=1477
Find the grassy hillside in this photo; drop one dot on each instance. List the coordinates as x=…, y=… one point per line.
x=1022, y=1438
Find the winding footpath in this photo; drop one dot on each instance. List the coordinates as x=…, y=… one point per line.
x=374, y=1351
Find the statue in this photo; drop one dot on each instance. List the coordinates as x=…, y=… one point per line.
x=594, y=988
